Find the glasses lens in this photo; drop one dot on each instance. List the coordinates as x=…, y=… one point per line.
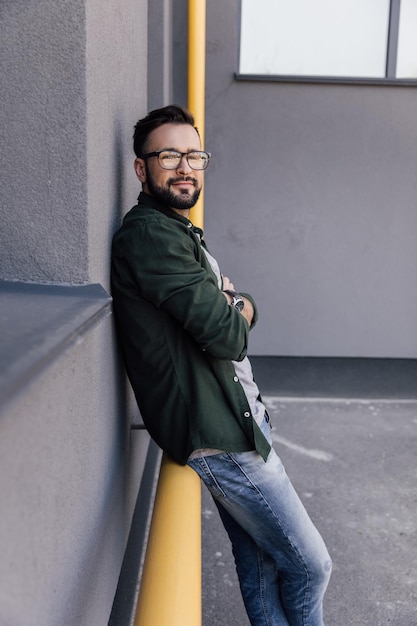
x=169, y=160
x=198, y=160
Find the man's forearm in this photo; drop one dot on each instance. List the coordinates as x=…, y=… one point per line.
x=247, y=311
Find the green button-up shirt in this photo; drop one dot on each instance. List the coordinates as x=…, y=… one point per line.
x=179, y=336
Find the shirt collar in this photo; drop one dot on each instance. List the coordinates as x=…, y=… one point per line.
x=145, y=199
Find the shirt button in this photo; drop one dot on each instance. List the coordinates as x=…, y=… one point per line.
x=236, y=379
x=246, y=414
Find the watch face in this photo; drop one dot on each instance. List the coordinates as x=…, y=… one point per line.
x=238, y=303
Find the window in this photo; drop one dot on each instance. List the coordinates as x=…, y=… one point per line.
x=371, y=39
x=407, y=40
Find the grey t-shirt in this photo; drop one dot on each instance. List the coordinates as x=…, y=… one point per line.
x=244, y=372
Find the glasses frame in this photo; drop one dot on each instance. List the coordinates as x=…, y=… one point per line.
x=182, y=155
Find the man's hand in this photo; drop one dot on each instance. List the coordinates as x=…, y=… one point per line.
x=227, y=284
x=247, y=310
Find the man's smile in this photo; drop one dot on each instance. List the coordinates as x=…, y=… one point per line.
x=182, y=182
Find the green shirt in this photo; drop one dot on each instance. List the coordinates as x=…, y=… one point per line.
x=179, y=336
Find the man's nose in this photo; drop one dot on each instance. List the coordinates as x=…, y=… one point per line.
x=184, y=166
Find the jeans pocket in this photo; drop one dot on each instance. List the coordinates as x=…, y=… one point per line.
x=200, y=466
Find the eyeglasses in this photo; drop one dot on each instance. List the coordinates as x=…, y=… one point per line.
x=171, y=159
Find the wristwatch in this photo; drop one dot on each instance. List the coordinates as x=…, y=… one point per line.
x=237, y=300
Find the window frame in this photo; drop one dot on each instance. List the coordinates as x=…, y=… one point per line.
x=390, y=67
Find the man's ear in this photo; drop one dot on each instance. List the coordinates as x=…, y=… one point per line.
x=140, y=169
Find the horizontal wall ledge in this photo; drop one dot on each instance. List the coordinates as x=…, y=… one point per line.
x=327, y=80
x=38, y=322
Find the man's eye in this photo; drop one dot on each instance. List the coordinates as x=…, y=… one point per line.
x=170, y=156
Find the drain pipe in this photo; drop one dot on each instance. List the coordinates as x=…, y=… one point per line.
x=197, y=81
x=170, y=592
x=171, y=585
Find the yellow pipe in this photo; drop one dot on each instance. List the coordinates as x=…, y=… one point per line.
x=171, y=585
x=170, y=593
x=197, y=81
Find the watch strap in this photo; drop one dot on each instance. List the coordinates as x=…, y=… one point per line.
x=237, y=300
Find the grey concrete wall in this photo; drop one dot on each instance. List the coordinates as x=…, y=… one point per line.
x=116, y=97
x=43, y=97
x=161, y=79
x=67, y=482
x=311, y=204
x=74, y=84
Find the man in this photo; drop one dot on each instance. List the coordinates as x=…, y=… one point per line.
x=184, y=333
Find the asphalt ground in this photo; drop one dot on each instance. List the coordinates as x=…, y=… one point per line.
x=353, y=462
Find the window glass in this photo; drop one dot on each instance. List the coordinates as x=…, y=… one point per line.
x=314, y=37
x=407, y=40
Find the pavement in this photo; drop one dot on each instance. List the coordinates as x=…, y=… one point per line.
x=351, y=453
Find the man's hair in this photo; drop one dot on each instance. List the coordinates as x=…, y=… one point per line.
x=172, y=114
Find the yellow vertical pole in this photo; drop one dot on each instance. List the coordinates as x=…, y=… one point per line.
x=197, y=81
x=170, y=592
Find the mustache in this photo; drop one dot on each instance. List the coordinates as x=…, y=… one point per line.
x=182, y=179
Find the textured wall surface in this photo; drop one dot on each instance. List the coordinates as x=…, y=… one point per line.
x=116, y=80
x=44, y=190
x=66, y=489
x=74, y=84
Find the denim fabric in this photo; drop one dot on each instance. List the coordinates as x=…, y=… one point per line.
x=281, y=560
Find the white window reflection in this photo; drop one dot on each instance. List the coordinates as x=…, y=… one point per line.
x=333, y=38
x=407, y=40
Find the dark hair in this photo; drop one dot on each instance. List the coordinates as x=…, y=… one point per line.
x=172, y=114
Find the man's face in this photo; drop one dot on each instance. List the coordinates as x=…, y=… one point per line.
x=179, y=188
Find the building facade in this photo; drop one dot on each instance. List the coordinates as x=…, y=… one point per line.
x=310, y=205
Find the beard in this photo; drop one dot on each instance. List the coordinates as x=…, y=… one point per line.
x=185, y=200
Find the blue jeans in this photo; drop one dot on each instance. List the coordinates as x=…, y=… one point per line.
x=281, y=560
